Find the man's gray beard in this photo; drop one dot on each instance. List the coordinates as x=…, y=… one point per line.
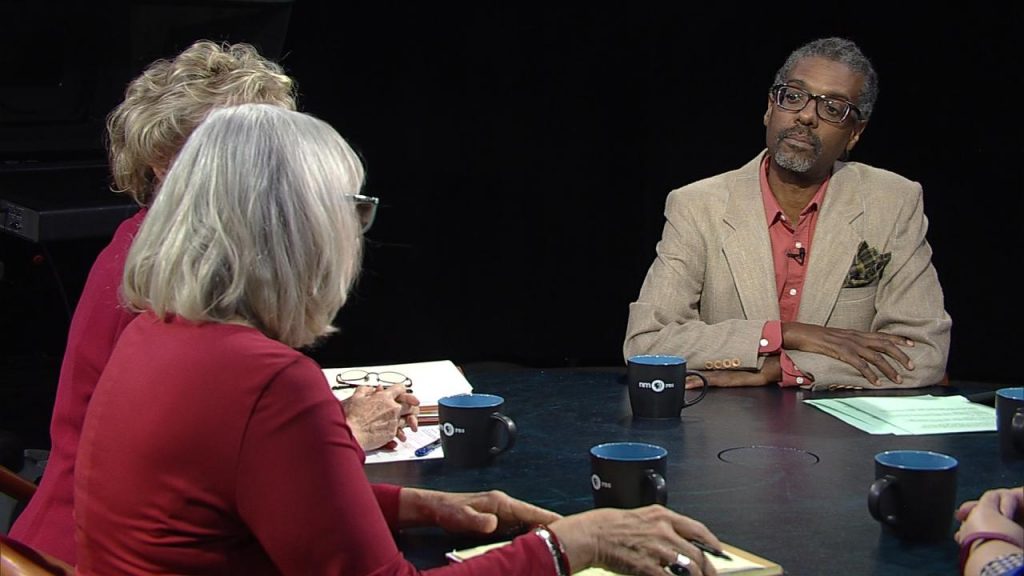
x=799, y=163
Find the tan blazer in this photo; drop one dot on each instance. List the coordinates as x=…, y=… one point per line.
x=712, y=285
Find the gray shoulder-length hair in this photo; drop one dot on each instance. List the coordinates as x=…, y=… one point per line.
x=253, y=224
x=844, y=52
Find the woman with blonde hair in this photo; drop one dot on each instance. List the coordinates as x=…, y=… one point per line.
x=161, y=108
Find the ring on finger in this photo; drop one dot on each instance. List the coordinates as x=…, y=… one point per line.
x=680, y=567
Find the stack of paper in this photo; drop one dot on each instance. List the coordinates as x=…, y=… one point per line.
x=741, y=562
x=910, y=415
x=431, y=381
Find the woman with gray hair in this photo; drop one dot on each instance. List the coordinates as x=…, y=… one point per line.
x=213, y=446
x=161, y=107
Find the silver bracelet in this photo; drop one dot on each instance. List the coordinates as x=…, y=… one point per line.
x=557, y=555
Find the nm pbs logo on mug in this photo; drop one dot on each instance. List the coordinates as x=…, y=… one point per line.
x=657, y=386
x=473, y=429
x=450, y=430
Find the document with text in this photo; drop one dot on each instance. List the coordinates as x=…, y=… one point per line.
x=910, y=415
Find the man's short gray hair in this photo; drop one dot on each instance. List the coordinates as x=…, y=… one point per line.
x=845, y=52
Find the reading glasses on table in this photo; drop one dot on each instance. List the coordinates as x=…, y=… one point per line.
x=356, y=378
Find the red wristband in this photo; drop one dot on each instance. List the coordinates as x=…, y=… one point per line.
x=970, y=539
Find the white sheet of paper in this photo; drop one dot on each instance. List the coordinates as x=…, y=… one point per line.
x=407, y=450
x=431, y=381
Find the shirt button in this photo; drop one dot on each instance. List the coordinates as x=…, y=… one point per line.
x=763, y=342
x=792, y=291
x=799, y=245
x=799, y=380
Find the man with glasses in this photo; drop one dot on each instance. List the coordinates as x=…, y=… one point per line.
x=800, y=268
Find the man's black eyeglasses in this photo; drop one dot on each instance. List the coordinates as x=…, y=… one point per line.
x=829, y=108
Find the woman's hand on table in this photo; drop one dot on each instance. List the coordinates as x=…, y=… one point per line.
x=482, y=513
x=639, y=541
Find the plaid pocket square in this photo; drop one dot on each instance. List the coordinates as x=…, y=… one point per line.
x=867, y=266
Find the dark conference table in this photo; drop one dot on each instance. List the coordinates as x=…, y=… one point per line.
x=763, y=470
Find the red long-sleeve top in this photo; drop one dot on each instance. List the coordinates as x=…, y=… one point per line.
x=212, y=449
x=99, y=318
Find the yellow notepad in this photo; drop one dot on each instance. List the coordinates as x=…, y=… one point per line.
x=743, y=563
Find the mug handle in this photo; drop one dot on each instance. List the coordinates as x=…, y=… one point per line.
x=1017, y=430
x=875, y=494
x=703, y=389
x=657, y=483
x=510, y=433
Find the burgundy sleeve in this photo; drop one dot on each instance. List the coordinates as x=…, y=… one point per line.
x=99, y=319
x=302, y=491
x=387, y=499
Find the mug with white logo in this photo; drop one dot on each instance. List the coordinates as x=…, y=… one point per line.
x=473, y=429
x=628, y=474
x=657, y=386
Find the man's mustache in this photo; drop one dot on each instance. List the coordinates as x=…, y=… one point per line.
x=802, y=134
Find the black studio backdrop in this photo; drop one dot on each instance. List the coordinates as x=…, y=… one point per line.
x=65, y=66
x=523, y=152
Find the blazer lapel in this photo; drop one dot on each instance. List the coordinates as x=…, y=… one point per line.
x=747, y=248
x=833, y=247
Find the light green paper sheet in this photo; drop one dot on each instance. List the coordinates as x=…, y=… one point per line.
x=910, y=415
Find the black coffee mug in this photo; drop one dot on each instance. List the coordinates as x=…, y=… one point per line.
x=657, y=386
x=473, y=429
x=914, y=494
x=1010, y=420
x=628, y=474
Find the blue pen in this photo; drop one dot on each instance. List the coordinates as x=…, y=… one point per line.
x=420, y=452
